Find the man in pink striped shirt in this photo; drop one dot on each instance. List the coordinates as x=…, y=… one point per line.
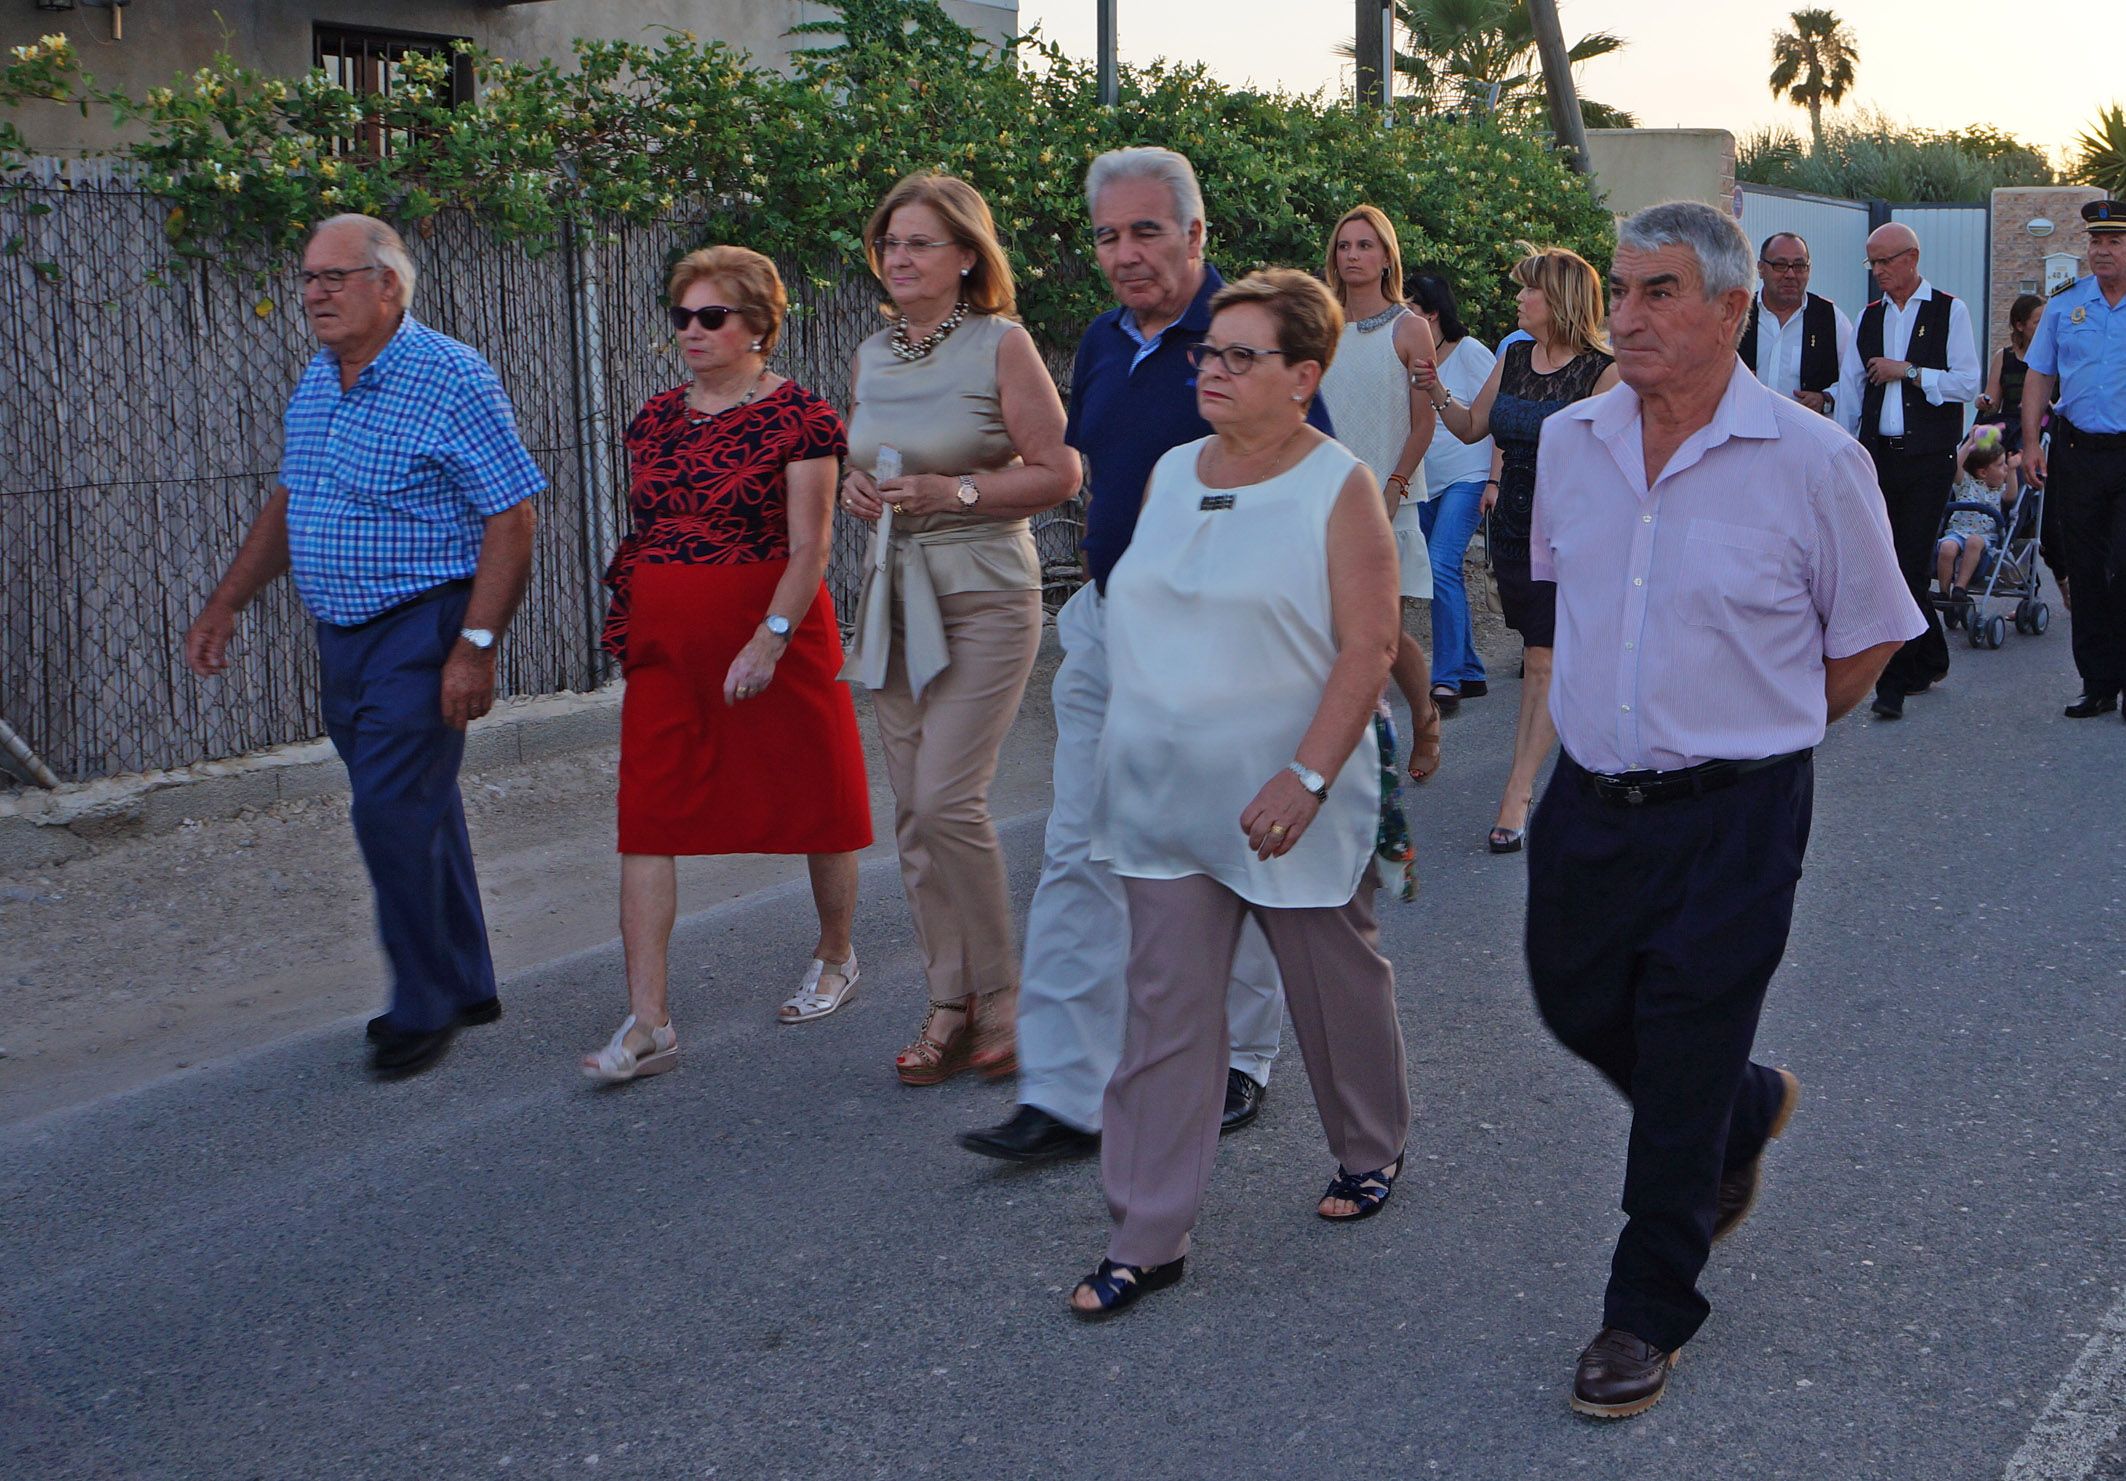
x=1726, y=588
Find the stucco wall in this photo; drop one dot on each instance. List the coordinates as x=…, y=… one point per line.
x=167, y=38
x=1635, y=168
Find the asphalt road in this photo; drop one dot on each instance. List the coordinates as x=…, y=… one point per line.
x=776, y=1263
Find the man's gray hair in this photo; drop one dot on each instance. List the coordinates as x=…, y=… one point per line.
x=1148, y=163
x=386, y=248
x=1725, y=261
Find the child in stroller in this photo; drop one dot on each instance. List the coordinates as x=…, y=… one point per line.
x=1983, y=511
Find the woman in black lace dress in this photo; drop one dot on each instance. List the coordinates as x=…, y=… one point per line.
x=1565, y=359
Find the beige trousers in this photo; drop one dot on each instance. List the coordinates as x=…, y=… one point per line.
x=1160, y=1118
x=941, y=756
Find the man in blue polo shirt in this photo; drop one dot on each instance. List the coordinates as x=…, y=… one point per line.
x=403, y=511
x=1132, y=398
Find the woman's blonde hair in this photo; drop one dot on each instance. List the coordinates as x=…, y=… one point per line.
x=1572, y=292
x=762, y=300
x=1391, y=278
x=1309, y=321
x=988, y=286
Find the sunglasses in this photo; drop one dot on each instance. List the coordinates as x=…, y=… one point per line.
x=712, y=316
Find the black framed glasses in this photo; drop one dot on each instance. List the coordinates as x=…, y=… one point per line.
x=1238, y=360
x=1783, y=265
x=711, y=315
x=333, y=278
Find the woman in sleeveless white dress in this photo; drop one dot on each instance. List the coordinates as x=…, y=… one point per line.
x=1381, y=417
x=1250, y=629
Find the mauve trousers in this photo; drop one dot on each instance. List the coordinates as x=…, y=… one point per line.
x=941, y=756
x=1160, y=1118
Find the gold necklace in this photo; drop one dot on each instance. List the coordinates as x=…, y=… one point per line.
x=710, y=416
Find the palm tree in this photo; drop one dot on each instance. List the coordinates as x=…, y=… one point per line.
x=1461, y=49
x=1812, y=64
x=2103, y=152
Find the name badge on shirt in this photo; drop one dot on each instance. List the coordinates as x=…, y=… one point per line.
x=1216, y=501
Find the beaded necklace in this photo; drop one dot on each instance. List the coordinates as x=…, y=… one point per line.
x=1372, y=322
x=906, y=351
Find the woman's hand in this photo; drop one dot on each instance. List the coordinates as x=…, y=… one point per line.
x=1425, y=376
x=1491, y=497
x=1278, y=816
x=754, y=667
x=860, y=495
x=921, y=493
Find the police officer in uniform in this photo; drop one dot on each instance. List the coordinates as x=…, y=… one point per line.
x=1922, y=366
x=2080, y=350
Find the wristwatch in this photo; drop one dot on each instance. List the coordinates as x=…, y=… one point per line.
x=1311, y=779
x=1911, y=371
x=777, y=624
x=968, y=492
x=479, y=637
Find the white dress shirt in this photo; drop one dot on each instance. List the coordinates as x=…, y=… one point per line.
x=1959, y=383
x=1779, y=360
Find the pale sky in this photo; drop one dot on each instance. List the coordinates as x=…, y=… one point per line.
x=1936, y=64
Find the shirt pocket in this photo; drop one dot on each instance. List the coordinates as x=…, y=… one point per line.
x=1730, y=575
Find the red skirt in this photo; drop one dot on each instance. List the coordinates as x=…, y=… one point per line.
x=780, y=773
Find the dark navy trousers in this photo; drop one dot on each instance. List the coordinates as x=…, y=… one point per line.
x=1653, y=932
x=382, y=683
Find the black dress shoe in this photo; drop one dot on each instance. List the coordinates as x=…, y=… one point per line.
x=1890, y=706
x=1738, y=1189
x=1243, y=1102
x=2092, y=704
x=1032, y=1135
x=1474, y=689
x=488, y=1010
x=399, y=1055
x=1620, y=1376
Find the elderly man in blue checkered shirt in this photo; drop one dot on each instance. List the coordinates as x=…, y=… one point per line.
x=403, y=511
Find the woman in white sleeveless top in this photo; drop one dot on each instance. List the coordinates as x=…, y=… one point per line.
x=1250, y=629
x=1383, y=418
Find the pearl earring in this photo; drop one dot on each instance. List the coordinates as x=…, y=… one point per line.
x=1299, y=398
x=756, y=344
x=964, y=271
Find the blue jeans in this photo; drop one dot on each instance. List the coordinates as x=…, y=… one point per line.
x=382, y=691
x=1453, y=514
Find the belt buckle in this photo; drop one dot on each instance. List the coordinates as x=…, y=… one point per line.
x=1634, y=795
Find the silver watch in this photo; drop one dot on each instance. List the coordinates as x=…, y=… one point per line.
x=479, y=637
x=777, y=624
x=1311, y=779
x=969, y=494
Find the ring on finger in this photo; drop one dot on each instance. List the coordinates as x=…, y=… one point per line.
x=1279, y=828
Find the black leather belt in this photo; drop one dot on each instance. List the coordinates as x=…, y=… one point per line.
x=2094, y=441
x=1637, y=788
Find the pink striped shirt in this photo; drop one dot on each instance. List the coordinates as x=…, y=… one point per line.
x=1694, y=617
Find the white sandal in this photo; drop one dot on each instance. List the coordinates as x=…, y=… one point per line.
x=827, y=986
x=618, y=1062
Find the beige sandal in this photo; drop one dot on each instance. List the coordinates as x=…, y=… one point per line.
x=827, y=986
x=634, y=1052
x=930, y=1062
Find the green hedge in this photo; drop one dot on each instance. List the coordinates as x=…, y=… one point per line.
x=792, y=165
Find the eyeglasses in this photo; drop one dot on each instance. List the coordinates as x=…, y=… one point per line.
x=711, y=315
x=1877, y=264
x=1238, y=360
x=919, y=246
x=334, y=278
x=1798, y=265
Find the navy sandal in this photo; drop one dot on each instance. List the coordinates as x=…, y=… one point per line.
x=1369, y=1190
x=1116, y=1286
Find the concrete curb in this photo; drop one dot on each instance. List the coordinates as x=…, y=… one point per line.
x=39, y=828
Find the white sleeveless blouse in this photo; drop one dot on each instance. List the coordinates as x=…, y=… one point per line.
x=1367, y=389
x=1219, y=646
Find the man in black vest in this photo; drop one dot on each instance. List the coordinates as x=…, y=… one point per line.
x=1922, y=366
x=1805, y=348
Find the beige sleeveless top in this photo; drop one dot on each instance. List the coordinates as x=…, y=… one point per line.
x=944, y=415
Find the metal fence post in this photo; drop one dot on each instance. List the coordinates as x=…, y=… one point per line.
x=591, y=389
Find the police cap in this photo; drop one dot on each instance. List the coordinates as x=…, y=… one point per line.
x=2104, y=216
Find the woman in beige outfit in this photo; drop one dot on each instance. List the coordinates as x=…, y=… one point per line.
x=953, y=400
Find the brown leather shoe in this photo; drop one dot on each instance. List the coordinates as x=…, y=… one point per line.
x=1738, y=1189
x=1620, y=1376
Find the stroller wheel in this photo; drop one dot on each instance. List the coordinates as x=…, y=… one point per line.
x=1996, y=630
x=2040, y=617
x=1975, y=633
x=2022, y=615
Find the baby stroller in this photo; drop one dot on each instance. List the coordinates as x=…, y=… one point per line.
x=2011, y=574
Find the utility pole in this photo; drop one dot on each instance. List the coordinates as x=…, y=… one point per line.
x=1110, y=75
x=1376, y=53
x=1565, y=121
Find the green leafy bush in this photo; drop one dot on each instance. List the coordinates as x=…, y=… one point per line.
x=1873, y=156
x=792, y=164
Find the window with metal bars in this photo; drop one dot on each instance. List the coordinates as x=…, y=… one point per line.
x=368, y=61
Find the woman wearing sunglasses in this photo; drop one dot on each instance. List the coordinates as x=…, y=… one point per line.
x=1250, y=627
x=950, y=616
x=735, y=737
